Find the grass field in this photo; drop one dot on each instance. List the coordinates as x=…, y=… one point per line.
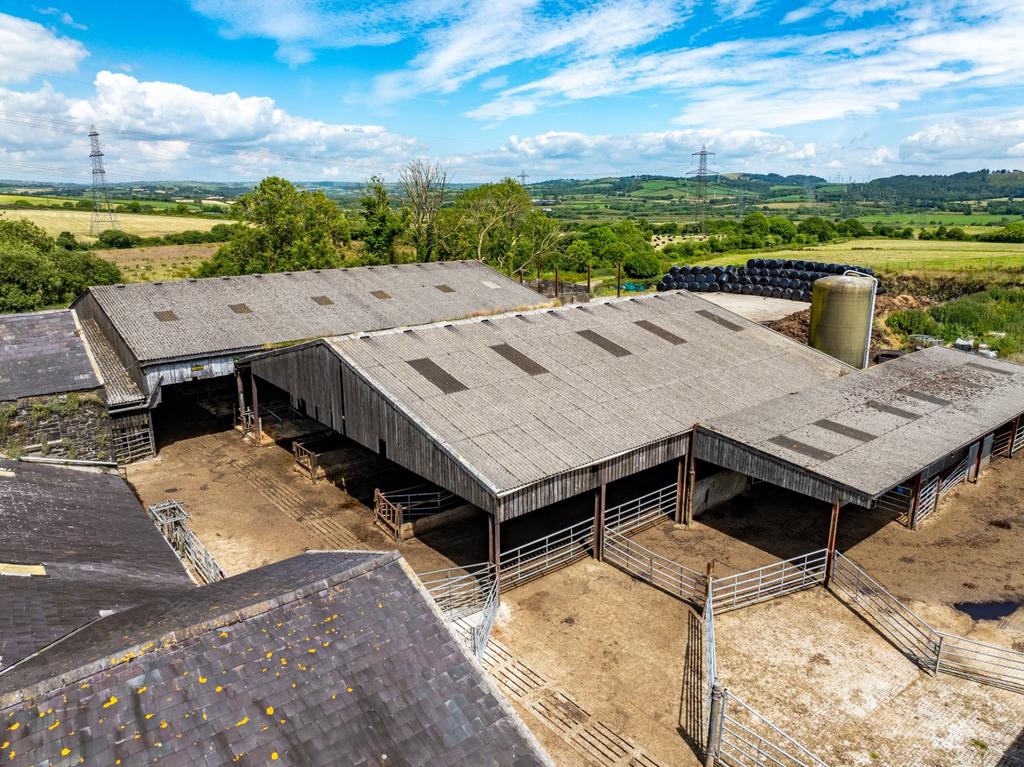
x=161, y=262
x=917, y=220
x=77, y=222
x=932, y=256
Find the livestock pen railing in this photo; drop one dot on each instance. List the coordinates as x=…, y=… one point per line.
x=927, y=502
x=482, y=631
x=894, y=620
x=981, y=662
x=171, y=519
x=388, y=515
x=898, y=501
x=305, y=458
x=544, y=555
x=955, y=477
x=460, y=591
x=422, y=501
x=643, y=512
x=933, y=650
x=661, y=572
x=775, y=580
x=748, y=739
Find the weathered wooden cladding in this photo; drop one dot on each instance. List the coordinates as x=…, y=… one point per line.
x=86, y=307
x=729, y=454
x=337, y=396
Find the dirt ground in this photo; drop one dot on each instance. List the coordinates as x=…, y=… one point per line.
x=250, y=507
x=613, y=647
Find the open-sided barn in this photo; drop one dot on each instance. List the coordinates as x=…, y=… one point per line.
x=901, y=432
x=519, y=411
x=167, y=333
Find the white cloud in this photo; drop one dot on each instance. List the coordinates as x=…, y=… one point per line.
x=156, y=128
x=774, y=82
x=65, y=18
x=802, y=13
x=966, y=138
x=737, y=9
x=28, y=49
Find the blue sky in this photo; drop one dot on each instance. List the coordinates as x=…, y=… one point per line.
x=237, y=89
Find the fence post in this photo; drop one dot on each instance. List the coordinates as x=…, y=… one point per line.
x=938, y=654
x=833, y=535
x=714, y=740
x=691, y=481
x=598, y=526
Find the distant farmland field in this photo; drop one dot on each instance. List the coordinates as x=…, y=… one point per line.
x=935, y=256
x=77, y=222
x=161, y=262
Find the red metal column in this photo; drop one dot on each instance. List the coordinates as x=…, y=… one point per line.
x=833, y=535
x=911, y=517
x=680, y=489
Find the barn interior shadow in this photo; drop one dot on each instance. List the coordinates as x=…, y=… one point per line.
x=786, y=524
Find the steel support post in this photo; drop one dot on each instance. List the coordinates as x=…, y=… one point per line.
x=494, y=545
x=241, y=397
x=977, y=463
x=714, y=739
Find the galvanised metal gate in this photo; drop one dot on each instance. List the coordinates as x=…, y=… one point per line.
x=171, y=519
x=662, y=572
x=748, y=739
x=643, y=512
x=911, y=635
x=933, y=650
x=464, y=592
x=955, y=477
x=544, y=555
x=775, y=580
x=928, y=501
x=898, y=501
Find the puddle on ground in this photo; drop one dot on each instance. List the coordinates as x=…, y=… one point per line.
x=988, y=611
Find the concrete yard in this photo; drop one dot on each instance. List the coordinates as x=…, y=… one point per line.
x=819, y=672
x=756, y=308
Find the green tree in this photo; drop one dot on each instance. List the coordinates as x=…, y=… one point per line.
x=578, y=256
x=382, y=224
x=490, y=216
x=283, y=229
x=817, y=228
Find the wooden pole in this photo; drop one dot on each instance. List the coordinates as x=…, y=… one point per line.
x=691, y=482
x=915, y=504
x=241, y=397
x=833, y=535
x=977, y=463
x=618, y=279
x=495, y=539
x=556, y=282
x=538, y=272
x=588, y=282
x=256, y=425
x=680, y=488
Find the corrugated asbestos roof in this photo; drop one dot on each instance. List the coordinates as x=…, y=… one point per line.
x=193, y=318
x=120, y=388
x=610, y=377
x=329, y=658
x=99, y=549
x=42, y=353
x=871, y=430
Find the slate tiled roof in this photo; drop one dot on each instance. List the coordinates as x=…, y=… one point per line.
x=278, y=308
x=521, y=397
x=330, y=658
x=873, y=429
x=120, y=388
x=98, y=546
x=42, y=353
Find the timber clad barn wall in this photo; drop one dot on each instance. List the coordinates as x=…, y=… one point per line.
x=862, y=435
x=516, y=412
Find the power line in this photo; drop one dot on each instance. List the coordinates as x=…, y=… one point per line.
x=701, y=176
